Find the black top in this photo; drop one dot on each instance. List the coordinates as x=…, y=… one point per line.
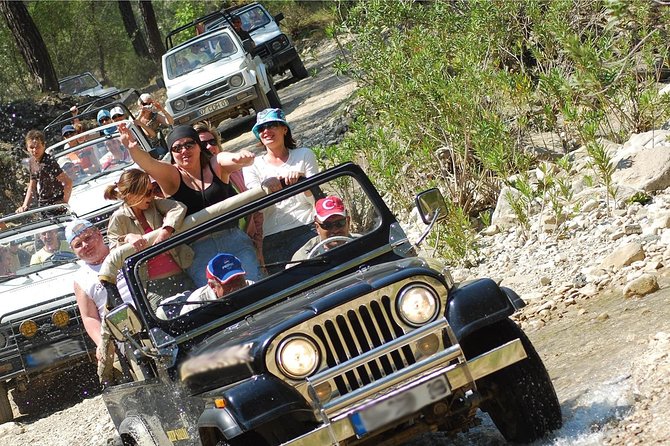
x=45, y=172
x=196, y=200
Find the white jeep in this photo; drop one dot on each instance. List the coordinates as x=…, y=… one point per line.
x=42, y=336
x=214, y=77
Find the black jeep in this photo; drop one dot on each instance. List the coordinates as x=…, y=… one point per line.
x=360, y=342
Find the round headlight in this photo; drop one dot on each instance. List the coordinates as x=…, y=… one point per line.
x=60, y=318
x=28, y=328
x=417, y=304
x=235, y=81
x=179, y=104
x=298, y=357
x=276, y=45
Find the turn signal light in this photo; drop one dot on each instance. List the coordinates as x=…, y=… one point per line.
x=219, y=403
x=60, y=318
x=28, y=328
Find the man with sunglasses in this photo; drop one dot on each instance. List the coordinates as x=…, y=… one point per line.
x=331, y=219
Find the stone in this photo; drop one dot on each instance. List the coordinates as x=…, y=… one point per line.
x=632, y=229
x=643, y=285
x=544, y=281
x=624, y=255
x=590, y=205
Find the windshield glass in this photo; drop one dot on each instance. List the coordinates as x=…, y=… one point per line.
x=78, y=84
x=32, y=243
x=321, y=228
x=254, y=18
x=199, y=53
x=92, y=156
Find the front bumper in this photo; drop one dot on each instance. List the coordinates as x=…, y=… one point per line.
x=279, y=62
x=380, y=403
x=219, y=106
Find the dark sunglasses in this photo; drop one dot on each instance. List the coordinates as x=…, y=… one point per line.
x=337, y=224
x=117, y=116
x=269, y=125
x=179, y=147
x=105, y=119
x=68, y=134
x=209, y=142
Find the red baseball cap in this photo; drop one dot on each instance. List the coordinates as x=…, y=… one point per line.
x=329, y=206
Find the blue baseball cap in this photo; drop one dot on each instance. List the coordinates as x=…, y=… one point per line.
x=76, y=227
x=269, y=115
x=224, y=267
x=67, y=128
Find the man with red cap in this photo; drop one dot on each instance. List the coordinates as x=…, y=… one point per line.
x=224, y=274
x=331, y=220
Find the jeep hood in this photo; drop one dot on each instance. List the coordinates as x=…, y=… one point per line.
x=87, y=198
x=265, y=33
x=204, y=75
x=237, y=352
x=36, y=288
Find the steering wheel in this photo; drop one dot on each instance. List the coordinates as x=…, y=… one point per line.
x=61, y=256
x=322, y=246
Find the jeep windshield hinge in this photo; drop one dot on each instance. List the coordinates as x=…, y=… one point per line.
x=166, y=347
x=399, y=241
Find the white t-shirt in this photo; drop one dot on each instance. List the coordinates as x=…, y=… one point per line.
x=292, y=212
x=87, y=279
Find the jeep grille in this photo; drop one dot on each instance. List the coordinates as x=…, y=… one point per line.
x=207, y=93
x=359, y=330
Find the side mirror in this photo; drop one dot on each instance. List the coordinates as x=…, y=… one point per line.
x=279, y=17
x=123, y=322
x=429, y=203
x=160, y=82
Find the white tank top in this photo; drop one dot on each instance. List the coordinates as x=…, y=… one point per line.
x=87, y=279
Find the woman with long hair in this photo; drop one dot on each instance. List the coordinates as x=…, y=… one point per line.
x=198, y=179
x=141, y=213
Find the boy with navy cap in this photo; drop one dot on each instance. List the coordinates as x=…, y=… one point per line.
x=224, y=274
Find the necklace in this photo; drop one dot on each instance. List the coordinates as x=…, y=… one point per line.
x=200, y=187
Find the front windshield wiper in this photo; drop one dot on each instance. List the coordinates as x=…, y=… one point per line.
x=319, y=260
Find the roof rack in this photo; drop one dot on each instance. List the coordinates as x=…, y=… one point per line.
x=89, y=110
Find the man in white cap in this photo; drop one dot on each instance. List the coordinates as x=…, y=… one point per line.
x=331, y=220
x=87, y=243
x=224, y=274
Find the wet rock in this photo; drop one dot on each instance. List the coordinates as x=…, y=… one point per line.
x=643, y=285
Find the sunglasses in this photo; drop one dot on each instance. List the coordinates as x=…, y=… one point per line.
x=337, y=224
x=209, y=142
x=105, y=119
x=179, y=147
x=117, y=116
x=269, y=125
x=68, y=134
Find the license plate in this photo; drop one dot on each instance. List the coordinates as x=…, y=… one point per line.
x=398, y=406
x=218, y=105
x=57, y=351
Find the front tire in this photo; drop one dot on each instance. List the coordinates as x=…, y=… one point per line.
x=261, y=102
x=273, y=96
x=298, y=69
x=6, y=413
x=520, y=399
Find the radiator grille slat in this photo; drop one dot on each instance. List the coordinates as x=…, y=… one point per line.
x=349, y=335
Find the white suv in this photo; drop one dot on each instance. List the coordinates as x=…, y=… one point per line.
x=212, y=77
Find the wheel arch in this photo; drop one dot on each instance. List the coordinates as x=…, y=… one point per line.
x=479, y=303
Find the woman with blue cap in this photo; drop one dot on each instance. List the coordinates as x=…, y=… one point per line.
x=289, y=224
x=198, y=179
x=104, y=117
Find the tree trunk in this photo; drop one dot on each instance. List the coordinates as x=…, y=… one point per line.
x=156, y=47
x=30, y=44
x=129, y=23
x=99, y=46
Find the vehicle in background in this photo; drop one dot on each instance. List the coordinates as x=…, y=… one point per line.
x=42, y=338
x=357, y=341
x=84, y=84
x=271, y=44
x=213, y=77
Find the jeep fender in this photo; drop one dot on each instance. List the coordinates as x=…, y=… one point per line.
x=252, y=403
x=477, y=304
x=262, y=74
x=144, y=431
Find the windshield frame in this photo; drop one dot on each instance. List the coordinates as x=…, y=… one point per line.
x=170, y=59
x=276, y=287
